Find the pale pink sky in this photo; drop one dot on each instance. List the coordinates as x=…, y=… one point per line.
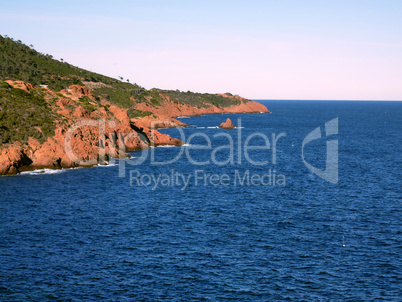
x=258, y=49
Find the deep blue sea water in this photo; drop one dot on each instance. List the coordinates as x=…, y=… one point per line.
x=111, y=233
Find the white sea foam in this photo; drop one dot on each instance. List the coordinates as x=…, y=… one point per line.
x=44, y=171
x=108, y=164
x=166, y=146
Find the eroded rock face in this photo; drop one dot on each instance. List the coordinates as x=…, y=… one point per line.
x=75, y=92
x=227, y=125
x=159, y=122
x=173, y=110
x=79, y=140
x=20, y=85
x=12, y=158
x=85, y=145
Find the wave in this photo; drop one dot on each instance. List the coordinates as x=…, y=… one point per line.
x=160, y=146
x=47, y=171
x=213, y=127
x=44, y=171
x=108, y=164
x=166, y=146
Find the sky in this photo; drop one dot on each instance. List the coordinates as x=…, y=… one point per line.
x=282, y=49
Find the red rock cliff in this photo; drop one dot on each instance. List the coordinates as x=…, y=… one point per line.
x=172, y=109
x=79, y=140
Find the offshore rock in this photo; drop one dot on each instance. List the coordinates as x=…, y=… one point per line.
x=227, y=125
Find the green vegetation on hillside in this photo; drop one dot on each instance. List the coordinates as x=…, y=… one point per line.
x=24, y=114
x=138, y=113
x=21, y=62
x=199, y=99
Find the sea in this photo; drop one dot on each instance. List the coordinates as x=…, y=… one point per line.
x=300, y=204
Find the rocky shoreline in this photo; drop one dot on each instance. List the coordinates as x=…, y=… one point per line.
x=89, y=138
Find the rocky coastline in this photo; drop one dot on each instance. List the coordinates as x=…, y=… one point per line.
x=78, y=139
